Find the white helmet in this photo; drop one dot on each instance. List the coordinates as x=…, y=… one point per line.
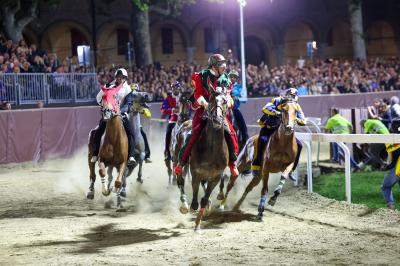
x=121, y=71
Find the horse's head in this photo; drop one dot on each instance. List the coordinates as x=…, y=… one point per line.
x=217, y=106
x=140, y=101
x=288, y=116
x=184, y=106
x=110, y=104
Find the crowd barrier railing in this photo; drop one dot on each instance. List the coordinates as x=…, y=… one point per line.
x=30, y=88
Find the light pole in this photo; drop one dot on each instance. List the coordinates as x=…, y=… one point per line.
x=242, y=3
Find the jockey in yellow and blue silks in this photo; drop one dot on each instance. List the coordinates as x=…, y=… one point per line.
x=269, y=122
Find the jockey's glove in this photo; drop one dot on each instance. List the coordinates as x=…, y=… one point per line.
x=300, y=122
x=146, y=113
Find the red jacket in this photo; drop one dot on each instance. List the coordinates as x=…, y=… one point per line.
x=166, y=108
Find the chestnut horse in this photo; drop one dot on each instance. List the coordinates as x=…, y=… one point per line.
x=209, y=156
x=114, y=148
x=278, y=156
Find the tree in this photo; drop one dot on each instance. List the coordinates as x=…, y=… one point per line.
x=356, y=22
x=17, y=14
x=141, y=25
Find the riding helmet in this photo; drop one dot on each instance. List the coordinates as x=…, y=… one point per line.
x=216, y=60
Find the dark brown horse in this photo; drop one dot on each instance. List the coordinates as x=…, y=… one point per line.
x=279, y=156
x=179, y=134
x=209, y=156
x=113, y=151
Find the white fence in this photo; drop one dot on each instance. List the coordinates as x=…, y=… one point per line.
x=340, y=139
x=29, y=88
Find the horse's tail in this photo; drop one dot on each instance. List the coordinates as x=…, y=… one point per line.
x=245, y=156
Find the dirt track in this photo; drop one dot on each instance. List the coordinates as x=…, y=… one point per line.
x=46, y=220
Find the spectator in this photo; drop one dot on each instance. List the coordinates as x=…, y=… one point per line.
x=337, y=124
x=375, y=150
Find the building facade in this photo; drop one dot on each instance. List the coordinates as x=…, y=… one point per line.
x=276, y=32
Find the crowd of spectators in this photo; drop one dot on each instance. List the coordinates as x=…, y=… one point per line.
x=310, y=78
x=318, y=77
x=22, y=58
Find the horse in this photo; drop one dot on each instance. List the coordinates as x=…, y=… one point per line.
x=114, y=149
x=178, y=135
x=278, y=156
x=139, y=104
x=209, y=156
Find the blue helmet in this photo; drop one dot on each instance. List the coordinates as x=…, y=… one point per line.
x=175, y=85
x=292, y=92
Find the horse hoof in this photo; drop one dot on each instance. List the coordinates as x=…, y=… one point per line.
x=117, y=184
x=120, y=209
x=184, y=209
x=272, y=202
x=106, y=193
x=139, y=180
x=221, y=208
x=220, y=196
x=259, y=218
x=197, y=230
x=90, y=195
x=123, y=194
x=236, y=209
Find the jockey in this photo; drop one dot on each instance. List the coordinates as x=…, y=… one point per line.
x=269, y=122
x=236, y=93
x=121, y=76
x=214, y=72
x=169, y=108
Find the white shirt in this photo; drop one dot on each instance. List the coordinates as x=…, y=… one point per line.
x=122, y=93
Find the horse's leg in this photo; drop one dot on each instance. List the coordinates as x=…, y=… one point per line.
x=90, y=194
x=139, y=178
x=110, y=177
x=195, y=187
x=221, y=187
x=122, y=193
x=102, y=173
x=254, y=182
x=231, y=183
x=121, y=171
x=263, y=198
x=169, y=170
x=278, y=189
x=184, y=208
x=205, y=202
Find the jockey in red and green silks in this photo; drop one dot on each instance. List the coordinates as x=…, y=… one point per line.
x=214, y=74
x=270, y=122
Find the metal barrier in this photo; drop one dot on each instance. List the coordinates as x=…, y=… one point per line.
x=29, y=88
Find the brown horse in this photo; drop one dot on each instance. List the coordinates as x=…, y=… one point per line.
x=113, y=151
x=209, y=156
x=179, y=134
x=279, y=156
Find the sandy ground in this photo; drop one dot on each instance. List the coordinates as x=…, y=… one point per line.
x=45, y=219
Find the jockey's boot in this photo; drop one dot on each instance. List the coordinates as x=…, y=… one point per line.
x=131, y=160
x=93, y=159
x=233, y=169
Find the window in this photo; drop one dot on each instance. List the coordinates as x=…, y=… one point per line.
x=77, y=38
x=209, y=46
x=167, y=41
x=122, y=40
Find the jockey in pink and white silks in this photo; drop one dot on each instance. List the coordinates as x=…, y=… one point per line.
x=120, y=79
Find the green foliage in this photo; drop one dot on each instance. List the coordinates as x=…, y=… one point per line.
x=365, y=188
